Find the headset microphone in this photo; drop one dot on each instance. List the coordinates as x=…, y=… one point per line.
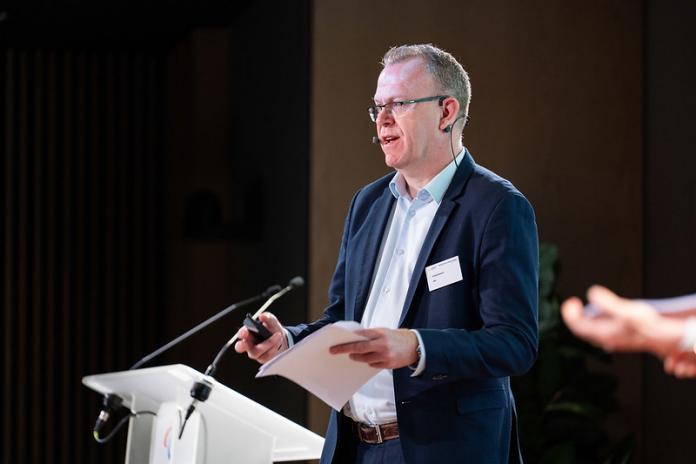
x=447, y=129
x=375, y=140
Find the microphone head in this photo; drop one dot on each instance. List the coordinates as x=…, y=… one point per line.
x=271, y=290
x=375, y=140
x=296, y=282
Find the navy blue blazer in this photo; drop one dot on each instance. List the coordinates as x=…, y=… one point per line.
x=477, y=332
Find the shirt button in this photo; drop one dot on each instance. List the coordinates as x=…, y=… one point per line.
x=399, y=252
x=387, y=290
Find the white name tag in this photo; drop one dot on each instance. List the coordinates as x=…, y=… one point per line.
x=443, y=273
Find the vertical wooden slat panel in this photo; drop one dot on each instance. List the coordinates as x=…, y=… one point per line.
x=65, y=366
x=51, y=264
x=95, y=232
x=151, y=211
x=22, y=272
x=138, y=99
x=109, y=208
x=122, y=310
x=4, y=117
x=9, y=311
x=38, y=361
x=80, y=238
x=79, y=244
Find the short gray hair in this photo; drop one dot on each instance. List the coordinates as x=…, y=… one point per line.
x=444, y=67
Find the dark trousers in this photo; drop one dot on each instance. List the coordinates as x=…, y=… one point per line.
x=388, y=452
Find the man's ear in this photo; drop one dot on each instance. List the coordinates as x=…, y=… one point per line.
x=450, y=110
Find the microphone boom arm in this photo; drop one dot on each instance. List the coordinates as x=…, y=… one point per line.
x=296, y=282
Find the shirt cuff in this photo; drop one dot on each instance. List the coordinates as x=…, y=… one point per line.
x=420, y=367
x=689, y=338
x=288, y=337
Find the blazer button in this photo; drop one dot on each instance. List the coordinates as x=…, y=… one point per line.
x=439, y=376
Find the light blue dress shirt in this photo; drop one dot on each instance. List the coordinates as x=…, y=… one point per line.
x=407, y=228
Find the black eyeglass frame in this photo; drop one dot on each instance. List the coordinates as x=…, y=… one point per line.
x=374, y=110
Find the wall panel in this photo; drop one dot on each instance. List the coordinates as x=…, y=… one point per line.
x=81, y=238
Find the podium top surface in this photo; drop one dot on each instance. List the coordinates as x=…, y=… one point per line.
x=152, y=386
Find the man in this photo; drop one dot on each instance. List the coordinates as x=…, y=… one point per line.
x=636, y=326
x=439, y=263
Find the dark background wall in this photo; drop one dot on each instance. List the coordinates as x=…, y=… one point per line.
x=556, y=108
x=160, y=163
x=670, y=212
x=154, y=168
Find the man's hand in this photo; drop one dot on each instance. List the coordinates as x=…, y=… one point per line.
x=623, y=325
x=681, y=365
x=384, y=349
x=264, y=351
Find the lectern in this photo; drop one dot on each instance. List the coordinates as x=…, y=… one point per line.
x=227, y=428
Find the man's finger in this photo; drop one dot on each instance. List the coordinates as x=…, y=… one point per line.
x=369, y=358
x=271, y=322
x=609, y=302
x=353, y=347
x=573, y=315
x=241, y=346
x=276, y=345
x=242, y=343
x=370, y=333
x=258, y=350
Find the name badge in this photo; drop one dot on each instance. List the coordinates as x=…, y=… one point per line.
x=443, y=273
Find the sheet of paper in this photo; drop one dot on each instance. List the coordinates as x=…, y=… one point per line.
x=677, y=306
x=332, y=378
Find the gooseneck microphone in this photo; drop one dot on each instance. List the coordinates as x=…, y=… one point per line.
x=269, y=291
x=295, y=282
x=112, y=403
x=202, y=388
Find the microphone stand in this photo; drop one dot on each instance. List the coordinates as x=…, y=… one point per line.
x=269, y=291
x=112, y=403
x=201, y=389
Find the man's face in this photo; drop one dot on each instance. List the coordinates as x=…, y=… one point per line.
x=407, y=134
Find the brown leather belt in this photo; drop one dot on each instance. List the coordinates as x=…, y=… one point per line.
x=374, y=434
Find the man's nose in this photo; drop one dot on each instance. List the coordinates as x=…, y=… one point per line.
x=385, y=117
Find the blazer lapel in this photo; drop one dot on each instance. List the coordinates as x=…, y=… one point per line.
x=368, y=244
x=443, y=213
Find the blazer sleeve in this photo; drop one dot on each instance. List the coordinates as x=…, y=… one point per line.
x=506, y=344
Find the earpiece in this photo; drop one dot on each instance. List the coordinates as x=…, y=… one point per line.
x=447, y=129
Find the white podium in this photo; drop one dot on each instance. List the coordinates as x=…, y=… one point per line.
x=227, y=428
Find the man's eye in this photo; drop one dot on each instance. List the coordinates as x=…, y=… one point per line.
x=398, y=104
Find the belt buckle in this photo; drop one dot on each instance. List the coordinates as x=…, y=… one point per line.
x=379, y=434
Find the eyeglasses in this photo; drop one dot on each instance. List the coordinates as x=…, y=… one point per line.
x=398, y=107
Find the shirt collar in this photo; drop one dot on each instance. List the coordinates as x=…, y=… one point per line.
x=434, y=189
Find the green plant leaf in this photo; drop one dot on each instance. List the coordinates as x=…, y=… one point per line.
x=581, y=409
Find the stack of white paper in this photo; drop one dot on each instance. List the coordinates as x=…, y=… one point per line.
x=333, y=378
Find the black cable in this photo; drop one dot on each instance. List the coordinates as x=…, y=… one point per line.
x=118, y=427
x=199, y=393
x=451, y=132
x=454, y=158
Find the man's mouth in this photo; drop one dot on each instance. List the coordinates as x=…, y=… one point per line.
x=389, y=139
